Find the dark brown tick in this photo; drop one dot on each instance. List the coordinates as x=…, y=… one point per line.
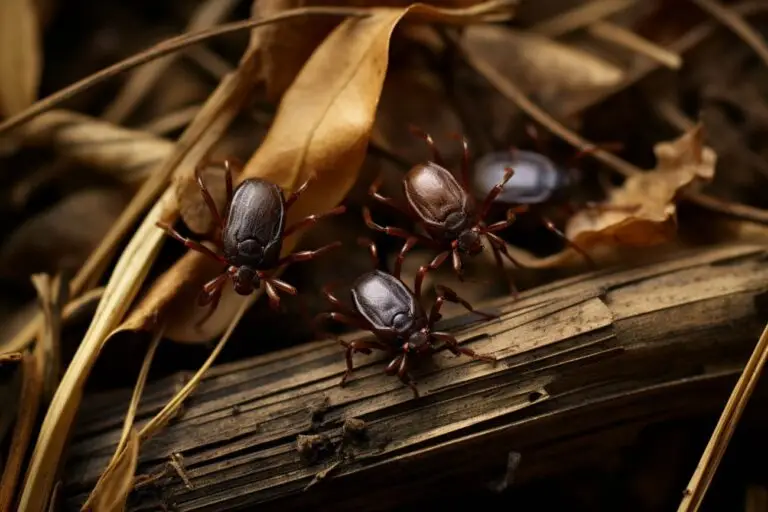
x=452, y=222
x=385, y=306
x=251, y=237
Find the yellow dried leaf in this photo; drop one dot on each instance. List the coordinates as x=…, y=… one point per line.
x=321, y=127
x=681, y=163
x=556, y=73
x=20, y=55
x=110, y=494
x=285, y=47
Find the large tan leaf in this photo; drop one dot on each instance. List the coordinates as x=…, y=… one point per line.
x=20, y=55
x=287, y=46
x=322, y=126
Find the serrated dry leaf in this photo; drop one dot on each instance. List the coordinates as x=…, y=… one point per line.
x=554, y=72
x=322, y=126
x=681, y=163
x=286, y=47
x=20, y=55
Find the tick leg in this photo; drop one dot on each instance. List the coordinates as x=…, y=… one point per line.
x=456, y=259
x=191, y=244
x=211, y=294
x=533, y=133
x=401, y=233
x=453, y=346
x=499, y=263
x=399, y=367
x=313, y=219
x=274, y=298
x=307, y=255
x=433, y=265
x=343, y=318
x=361, y=346
x=494, y=193
x=551, y=226
x=501, y=245
x=431, y=142
x=446, y=294
x=464, y=161
x=372, y=250
x=407, y=246
x=335, y=302
x=511, y=218
x=373, y=191
x=227, y=164
x=297, y=193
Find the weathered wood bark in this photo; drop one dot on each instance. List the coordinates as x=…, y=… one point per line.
x=586, y=362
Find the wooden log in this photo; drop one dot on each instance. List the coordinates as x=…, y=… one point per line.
x=585, y=363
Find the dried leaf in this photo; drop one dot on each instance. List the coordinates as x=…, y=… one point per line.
x=111, y=493
x=682, y=163
x=555, y=73
x=52, y=295
x=321, y=127
x=118, y=472
x=20, y=55
x=286, y=47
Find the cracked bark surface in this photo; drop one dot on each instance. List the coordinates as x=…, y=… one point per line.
x=585, y=363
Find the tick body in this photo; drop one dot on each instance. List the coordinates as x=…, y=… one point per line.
x=536, y=180
x=385, y=306
x=250, y=237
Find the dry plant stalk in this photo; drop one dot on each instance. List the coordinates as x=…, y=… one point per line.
x=140, y=82
x=718, y=443
x=731, y=19
x=580, y=17
x=129, y=155
x=117, y=480
x=20, y=55
x=621, y=36
x=52, y=294
x=29, y=402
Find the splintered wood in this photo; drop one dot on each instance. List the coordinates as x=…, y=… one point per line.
x=584, y=364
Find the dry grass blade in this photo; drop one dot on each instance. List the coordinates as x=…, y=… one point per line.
x=164, y=48
x=737, y=402
x=20, y=55
x=127, y=154
x=141, y=81
x=172, y=407
x=508, y=89
x=128, y=276
x=732, y=20
x=580, y=17
x=29, y=402
x=628, y=39
x=118, y=476
x=11, y=357
x=52, y=295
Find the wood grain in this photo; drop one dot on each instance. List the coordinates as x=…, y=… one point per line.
x=585, y=363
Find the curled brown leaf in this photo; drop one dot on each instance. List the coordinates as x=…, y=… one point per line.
x=643, y=209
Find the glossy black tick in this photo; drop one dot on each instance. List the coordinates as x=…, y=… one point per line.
x=251, y=236
x=384, y=305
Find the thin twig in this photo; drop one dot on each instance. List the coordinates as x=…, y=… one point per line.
x=164, y=48
x=619, y=35
x=518, y=97
x=738, y=210
x=731, y=19
x=580, y=17
x=713, y=453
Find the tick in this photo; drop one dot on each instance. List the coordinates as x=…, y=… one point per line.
x=385, y=306
x=451, y=220
x=250, y=237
